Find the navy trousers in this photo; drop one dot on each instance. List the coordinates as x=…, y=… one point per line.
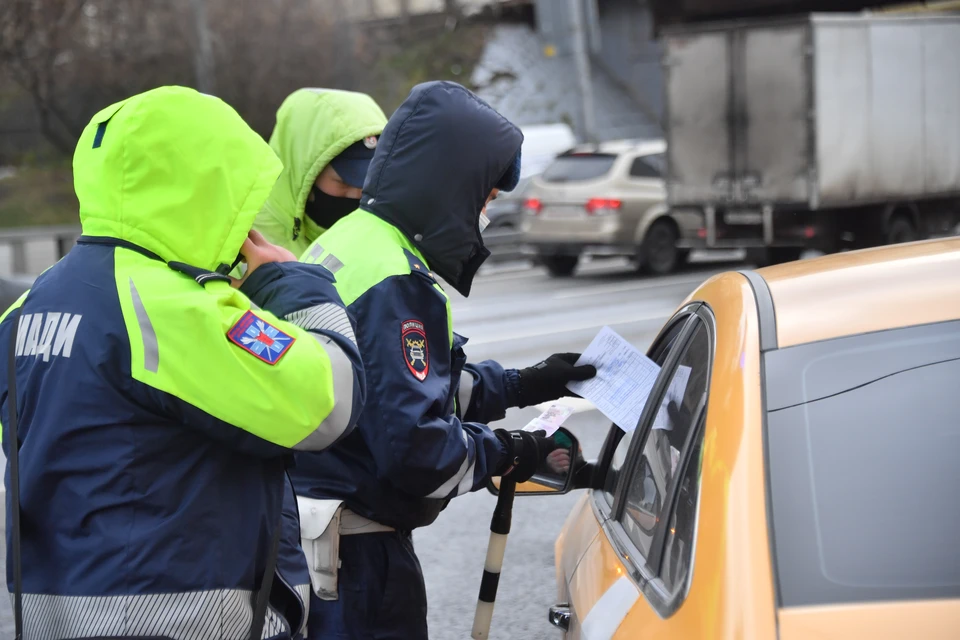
x=382, y=596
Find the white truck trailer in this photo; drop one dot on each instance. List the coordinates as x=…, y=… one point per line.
x=823, y=131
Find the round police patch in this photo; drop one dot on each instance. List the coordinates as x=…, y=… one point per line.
x=370, y=142
x=416, y=353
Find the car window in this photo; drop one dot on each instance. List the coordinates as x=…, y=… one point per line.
x=579, y=167
x=678, y=550
x=863, y=441
x=662, y=348
x=659, y=461
x=651, y=166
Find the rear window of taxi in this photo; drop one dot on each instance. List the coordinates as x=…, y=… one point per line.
x=863, y=462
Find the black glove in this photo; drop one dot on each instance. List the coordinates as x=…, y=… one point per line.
x=526, y=450
x=678, y=415
x=548, y=379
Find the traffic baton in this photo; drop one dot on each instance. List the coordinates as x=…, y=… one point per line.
x=499, y=528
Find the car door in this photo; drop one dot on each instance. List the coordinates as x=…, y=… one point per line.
x=647, y=195
x=635, y=574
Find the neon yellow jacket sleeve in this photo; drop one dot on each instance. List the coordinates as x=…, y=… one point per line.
x=277, y=369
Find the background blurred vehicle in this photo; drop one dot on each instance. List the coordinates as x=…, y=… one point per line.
x=823, y=131
x=541, y=144
x=791, y=392
x=605, y=200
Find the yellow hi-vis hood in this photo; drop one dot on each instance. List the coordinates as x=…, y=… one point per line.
x=313, y=127
x=176, y=172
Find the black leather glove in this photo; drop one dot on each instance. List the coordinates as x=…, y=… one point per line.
x=548, y=380
x=678, y=415
x=526, y=450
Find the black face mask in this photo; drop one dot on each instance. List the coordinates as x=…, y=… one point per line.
x=325, y=209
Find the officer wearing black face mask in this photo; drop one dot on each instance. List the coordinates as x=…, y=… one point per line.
x=325, y=139
x=337, y=189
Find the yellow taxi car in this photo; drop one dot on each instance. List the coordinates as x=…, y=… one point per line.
x=808, y=484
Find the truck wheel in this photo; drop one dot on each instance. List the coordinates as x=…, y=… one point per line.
x=900, y=229
x=659, y=254
x=560, y=266
x=769, y=256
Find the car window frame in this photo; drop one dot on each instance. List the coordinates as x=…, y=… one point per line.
x=611, y=170
x=645, y=574
x=679, y=322
x=642, y=158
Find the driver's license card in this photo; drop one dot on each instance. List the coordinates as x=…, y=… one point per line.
x=550, y=420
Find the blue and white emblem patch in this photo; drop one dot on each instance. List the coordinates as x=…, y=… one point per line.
x=259, y=337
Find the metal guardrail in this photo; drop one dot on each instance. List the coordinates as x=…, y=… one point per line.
x=63, y=237
x=504, y=245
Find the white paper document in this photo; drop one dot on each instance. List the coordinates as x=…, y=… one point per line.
x=550, y=420
x=678, y=386
x=624, y=379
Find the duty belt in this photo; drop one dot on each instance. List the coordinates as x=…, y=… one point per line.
x=352, y=524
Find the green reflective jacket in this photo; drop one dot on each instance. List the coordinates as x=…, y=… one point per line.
x=313, y=127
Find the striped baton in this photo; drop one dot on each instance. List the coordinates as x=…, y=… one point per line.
x=499, y=528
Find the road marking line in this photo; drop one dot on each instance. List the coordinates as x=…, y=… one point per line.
x=569, y=328
x=628, y=286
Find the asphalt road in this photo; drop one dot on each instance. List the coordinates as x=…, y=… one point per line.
x=518, y=316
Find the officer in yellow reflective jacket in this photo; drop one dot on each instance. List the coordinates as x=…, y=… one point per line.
x=158, y=398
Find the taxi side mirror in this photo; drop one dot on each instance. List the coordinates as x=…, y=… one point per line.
x=556, y=473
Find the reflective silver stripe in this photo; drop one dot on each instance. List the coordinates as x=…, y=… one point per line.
x=327, y=316
x=331, y=263
x=273, y=625
x=303, y=590
x=221, y=614
x=462, y=478
x=338, y=419
x=315, y=252
x=465, y=393
x=151, y=353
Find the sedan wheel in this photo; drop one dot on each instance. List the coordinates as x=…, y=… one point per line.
x=560, y=266
x=659, y=254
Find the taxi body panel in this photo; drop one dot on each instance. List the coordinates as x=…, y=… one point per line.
x=877, y=621
x=806, y=293
x=731, y=590
x=724, y=561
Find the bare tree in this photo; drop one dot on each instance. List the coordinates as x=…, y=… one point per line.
x=73, y=57
x=204, y=47
x=34, y=41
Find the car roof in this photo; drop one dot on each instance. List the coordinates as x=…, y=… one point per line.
x=863, y=291
x=639, y=147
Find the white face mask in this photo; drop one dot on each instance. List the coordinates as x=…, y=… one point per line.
x=484, y=221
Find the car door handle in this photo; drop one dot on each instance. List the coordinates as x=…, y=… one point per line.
x=559, y=616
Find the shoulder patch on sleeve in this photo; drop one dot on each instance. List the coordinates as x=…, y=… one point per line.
x=257, y=336
x=416, y=351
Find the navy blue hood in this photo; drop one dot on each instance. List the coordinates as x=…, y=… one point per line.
x=438, y=158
